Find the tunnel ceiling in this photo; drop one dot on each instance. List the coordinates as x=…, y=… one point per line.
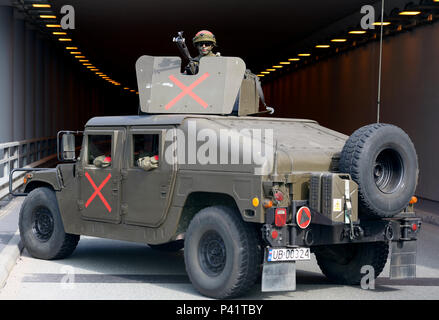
x=114, y=33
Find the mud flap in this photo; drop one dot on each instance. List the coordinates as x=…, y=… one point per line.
x=403, y=260
x=279, y=276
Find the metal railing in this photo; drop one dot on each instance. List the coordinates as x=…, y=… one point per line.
x=24, y=154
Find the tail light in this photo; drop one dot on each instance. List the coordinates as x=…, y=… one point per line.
x=280, y=217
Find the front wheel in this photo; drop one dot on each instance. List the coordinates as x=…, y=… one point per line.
x=41, y=228
x=342, y=263
x=222, y=253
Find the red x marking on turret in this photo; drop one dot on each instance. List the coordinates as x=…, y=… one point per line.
x=98, y=191
x=187, y=90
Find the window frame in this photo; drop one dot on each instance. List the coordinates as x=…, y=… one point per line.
x=138, y=131
x=86, y=149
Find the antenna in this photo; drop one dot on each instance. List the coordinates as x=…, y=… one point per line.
x=380, y=63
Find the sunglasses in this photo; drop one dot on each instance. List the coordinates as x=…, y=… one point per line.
x=207, y=44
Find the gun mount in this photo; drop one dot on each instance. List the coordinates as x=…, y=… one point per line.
x=222, y=86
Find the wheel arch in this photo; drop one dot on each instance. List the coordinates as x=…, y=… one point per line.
x=197, y=200
x=38, y=184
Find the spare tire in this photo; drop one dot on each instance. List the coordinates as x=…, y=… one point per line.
x=382, y=160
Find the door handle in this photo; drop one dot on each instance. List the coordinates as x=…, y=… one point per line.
x=163, y=191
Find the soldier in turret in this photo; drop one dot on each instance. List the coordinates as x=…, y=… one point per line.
x=204, y=41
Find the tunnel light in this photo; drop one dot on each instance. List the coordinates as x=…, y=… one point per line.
x=277, y=67
x=357, y=32
x=94, y=69
x=59, y=33
x=79, y=57
x=132, y=90
x=409, y=13
x=137, y=92
x=338, y=40
x=304, y=54
x=383, y=23
x=87, y=64
x=265, y=72
x=294, y=59
x=53, y=25
x=98, y=73
x=75, y=52
x=323, y=46
x=72, y=48
x=285, y=62
x=126, y=88
x=65, y=39
x=47, y=16
x=91, y=67
x=84, y=60
x=271, y=70
x=41, y=5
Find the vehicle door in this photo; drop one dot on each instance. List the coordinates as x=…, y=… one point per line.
x=146, y=193
x=100, y=175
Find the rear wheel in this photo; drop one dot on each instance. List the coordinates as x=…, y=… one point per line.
x=342, y=263
x=41, y=228
x=222, y=253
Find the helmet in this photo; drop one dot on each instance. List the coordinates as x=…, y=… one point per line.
x=202, y=36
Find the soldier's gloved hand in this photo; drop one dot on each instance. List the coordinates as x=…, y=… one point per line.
x=102, y=161
x=148, y=163
x=155, y=162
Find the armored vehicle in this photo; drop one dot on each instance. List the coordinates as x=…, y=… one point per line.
x=246, y=195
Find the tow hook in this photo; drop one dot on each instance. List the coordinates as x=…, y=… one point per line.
x=352, y=232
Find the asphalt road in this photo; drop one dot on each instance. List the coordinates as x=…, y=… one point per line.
x=107, y=269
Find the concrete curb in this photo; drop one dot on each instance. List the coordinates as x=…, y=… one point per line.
x=9, y=256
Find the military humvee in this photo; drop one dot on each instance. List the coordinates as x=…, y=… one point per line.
x=245, y=195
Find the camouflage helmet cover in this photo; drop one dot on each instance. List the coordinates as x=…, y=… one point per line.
x=204, y=36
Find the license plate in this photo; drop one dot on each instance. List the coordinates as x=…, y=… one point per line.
x=289, y=254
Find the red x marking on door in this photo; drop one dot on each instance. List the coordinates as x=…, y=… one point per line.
x=98, y=191
x=187, y=90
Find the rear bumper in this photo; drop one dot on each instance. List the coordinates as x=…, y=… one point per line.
x=404, y=227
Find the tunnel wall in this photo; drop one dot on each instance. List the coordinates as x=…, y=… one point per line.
x=341, y=93
x=43, y=89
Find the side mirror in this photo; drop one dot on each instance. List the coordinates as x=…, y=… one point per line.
x=68, y=147
x=65, y=149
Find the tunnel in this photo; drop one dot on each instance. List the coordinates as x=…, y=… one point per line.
x=342, y=63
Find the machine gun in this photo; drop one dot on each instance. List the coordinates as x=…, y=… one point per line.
x=181, y=44
x=192, y=67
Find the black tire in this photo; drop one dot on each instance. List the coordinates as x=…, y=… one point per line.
x=382, y=160
x=222, y=253
x=173, y=246
x=342, y=263
x=41, y=227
